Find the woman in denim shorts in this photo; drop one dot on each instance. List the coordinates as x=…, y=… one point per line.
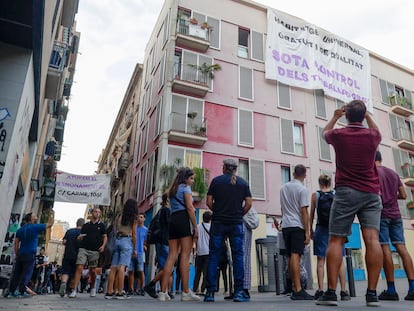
x=126, y=225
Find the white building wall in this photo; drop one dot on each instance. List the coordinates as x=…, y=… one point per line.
x=17, y=96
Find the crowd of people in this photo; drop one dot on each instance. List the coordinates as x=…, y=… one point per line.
x=363, y=188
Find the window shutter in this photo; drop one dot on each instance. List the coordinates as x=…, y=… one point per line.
x=384, y=92
x=150, y=172
x=324, y=150
x=394, y=126
x=320, y=104
x=178, y=113
x=257, y=45
x=397, y=160
x=286, y=133
x=246, y=128
x=158, y=119
x=161, y=72
x=214, y=32
x=283, y=95
x=257, y=179
x=245, y=83
x=407, y=94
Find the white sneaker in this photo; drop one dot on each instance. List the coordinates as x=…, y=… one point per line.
x=93, y=292
x=163, y=296
x=190, y=296
x=72, y=294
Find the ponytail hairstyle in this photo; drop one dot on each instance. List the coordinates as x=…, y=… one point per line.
x=182, y=175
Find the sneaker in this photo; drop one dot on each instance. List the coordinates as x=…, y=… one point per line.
x=229, y=297
x=171, y=294
x=327, y=299
x=318, y=294
x=26, y=295
x=209, y=297
x=16, y=294
x=385, y=295
x=190, y=296
x=246, y=291
x=93, y=292
x=241, y=296
x=150, y=290
x=345, y=295
x=372, y=300
x=301, y=295
x=62, y=289
x=72, y=294
x=140, y=292
x=109, y=296
x=163, y=296
x=410, y=296
x=119, y=296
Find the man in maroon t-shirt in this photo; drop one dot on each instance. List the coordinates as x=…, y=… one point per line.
x=392, y=229
x=357, y=194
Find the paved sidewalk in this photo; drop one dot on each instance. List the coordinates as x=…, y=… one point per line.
x=260, y=301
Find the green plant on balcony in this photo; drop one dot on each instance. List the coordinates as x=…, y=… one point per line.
x=398, y=100
x=200, y=186
x=205, y=25
x=193, y=21
x=192, y=115
x=167, y=173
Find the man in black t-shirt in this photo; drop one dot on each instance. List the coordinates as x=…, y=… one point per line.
x=71, y=242
x=92, y=243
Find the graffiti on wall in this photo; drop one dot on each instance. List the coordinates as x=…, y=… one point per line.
x=7, y=253
x=4, y=114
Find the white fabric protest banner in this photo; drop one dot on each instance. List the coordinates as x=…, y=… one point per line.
x=301, y=54
x=90, y=189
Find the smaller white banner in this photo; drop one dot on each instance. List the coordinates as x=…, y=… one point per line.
x=90, y=189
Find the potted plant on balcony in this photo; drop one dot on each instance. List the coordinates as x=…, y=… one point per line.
x=200, y=186
x=207, y=71
x=205, y=25
x=192, y=115
x=193, y=21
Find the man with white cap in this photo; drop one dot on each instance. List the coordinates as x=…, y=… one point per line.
x=225, y=197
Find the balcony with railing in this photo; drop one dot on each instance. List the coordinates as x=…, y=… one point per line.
x=408, y=174
x=401, y=105
x=189, y=80
x=67, y=86
x=55, y=73
x=187, y=129
x=404, y=138
x=192, y=35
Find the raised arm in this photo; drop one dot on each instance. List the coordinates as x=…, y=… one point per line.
x=338, y=113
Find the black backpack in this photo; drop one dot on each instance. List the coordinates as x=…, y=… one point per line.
x=158, y=227
x=323, y=206
x=154, y=230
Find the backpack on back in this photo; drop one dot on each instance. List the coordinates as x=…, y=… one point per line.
x=323, y=206
x=158, y=227
x=154, y=230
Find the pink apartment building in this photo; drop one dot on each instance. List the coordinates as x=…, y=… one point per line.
x=248, y=113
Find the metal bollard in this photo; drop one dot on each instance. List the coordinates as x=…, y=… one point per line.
x=350, y=272
x=277, y=275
